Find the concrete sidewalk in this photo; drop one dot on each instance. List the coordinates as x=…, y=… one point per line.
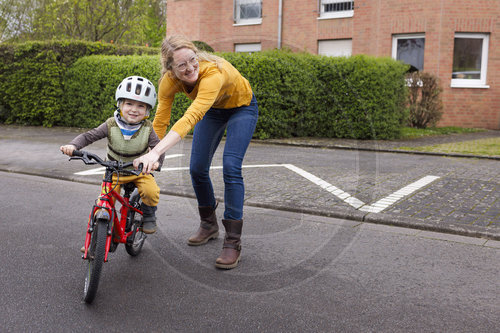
x=465, y=200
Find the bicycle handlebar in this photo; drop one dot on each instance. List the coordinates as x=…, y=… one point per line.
x=89, y=158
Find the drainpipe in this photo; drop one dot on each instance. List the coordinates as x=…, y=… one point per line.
x=280, y=13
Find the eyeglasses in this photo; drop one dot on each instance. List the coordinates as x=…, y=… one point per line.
x=182, y=67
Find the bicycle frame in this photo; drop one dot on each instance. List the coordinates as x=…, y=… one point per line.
x=105, y=209
x=105, y=228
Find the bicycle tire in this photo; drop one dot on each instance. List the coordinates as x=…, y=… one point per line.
x=136, y=240
x=96, y=252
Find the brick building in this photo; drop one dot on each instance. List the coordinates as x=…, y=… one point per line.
x=457, y=40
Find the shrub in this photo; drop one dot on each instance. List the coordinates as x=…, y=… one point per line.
x=359, y=97
x=90, y=86
x=298, y=94
x=202, y=46
x=362, y=97
x=32, y=90
x=284, y=89
x=31, y=77
x=424, y=100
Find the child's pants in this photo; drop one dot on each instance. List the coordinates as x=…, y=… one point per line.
x=146, y=185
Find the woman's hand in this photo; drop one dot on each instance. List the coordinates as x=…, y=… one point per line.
x=149, y=161
x=68, y=149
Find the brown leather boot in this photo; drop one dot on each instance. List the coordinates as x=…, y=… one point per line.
x=208, y=226
x=231, y=250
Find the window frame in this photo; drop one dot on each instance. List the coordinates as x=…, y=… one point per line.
x=331, y=15
x=236, y=14
x=396, y=37
x=252, y=47
x=334, y=41
x=473, y=83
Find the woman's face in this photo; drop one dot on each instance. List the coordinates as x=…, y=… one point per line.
x=186, y=66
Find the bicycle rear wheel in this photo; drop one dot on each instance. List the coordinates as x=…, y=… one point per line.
x=95, y=255
x=134, y=221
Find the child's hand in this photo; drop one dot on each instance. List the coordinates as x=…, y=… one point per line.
x=68, y=149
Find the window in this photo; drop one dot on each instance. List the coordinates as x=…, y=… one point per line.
x=335, y=48
x=470, y=60
x=249, y=48
x=247, y=12
x=336, y=8
x=410, y=50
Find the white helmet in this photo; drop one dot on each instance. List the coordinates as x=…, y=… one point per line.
x=136, y=88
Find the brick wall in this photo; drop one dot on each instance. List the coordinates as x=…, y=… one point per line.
x=371, y=30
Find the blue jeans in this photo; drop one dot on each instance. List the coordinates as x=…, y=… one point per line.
x=240, y=124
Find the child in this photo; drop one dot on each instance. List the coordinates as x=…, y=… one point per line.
x=130, y=135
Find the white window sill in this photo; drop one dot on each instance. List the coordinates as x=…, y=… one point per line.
x=472, y=86
x=327, y=16
x=248, y=22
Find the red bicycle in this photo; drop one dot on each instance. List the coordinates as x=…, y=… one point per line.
x=105, y=228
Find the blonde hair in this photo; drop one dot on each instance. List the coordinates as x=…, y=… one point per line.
x=177, y=42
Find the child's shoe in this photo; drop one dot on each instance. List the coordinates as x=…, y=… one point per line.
x=149, y=227
x=148, y=219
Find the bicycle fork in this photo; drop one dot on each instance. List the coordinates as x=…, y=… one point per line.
x=99, y=213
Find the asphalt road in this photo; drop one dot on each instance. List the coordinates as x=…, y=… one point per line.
x=299, y=272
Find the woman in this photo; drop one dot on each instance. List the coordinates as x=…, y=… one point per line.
x=222, y=100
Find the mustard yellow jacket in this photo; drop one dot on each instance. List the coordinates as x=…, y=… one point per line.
x=223, y=88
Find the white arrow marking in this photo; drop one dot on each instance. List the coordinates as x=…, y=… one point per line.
x=389, y=200
x=327, y=186
x=376, y=207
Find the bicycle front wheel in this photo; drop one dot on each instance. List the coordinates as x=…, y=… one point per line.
x=95, y=258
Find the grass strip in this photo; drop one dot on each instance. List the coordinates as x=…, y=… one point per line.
x=481, y=147
x=413, y=133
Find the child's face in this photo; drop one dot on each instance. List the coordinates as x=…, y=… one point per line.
x=133, y=111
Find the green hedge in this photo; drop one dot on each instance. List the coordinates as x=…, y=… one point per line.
x=31, y=77
x=284, y=85
x=359, y=97
x=90, y=86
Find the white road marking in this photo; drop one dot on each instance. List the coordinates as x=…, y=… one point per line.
x=389, y=200
x=173, y=156
x=356, y=203
x=220, y=167
x=100, y=170
x=376, y=207
x=96, y=171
